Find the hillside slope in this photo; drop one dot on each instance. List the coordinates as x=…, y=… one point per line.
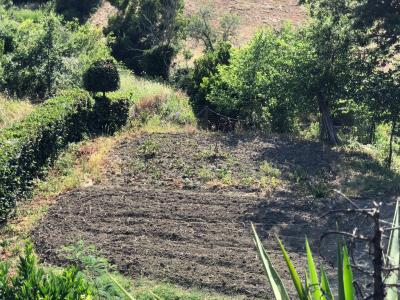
x=252, y=13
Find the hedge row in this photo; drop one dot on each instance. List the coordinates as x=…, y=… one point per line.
x=28, y=147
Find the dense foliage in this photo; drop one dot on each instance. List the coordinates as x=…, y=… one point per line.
x=102, y=76
x=340, y=69
x=76, y=8
x=33, y=282
x=145, y=34
x=42, y=55
x=32, y=144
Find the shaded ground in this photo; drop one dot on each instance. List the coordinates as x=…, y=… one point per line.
x=178, y=207
x=216, y=162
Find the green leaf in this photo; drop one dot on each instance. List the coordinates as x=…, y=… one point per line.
x=347, y=276
x=278, y=288
x=325, y=286
x=124, y=291
x=314, y=283
x=339, y=264
x=393, y=257
x=293, y=273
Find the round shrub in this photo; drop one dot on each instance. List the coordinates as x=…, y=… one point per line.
x=102, y=76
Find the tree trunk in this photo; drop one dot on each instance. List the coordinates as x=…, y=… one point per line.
x=372, y=132
x=390, y=156
x=326, y=126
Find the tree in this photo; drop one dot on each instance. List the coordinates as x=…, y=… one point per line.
x=102, y=76
x=76, y=8
x=46, y=55
x=259, y=85
x=377, y=25
x=201, y=28
x=35, y=66
x=328, y=74
x=145, y=34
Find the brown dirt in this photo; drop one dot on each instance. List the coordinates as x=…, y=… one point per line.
x=100, y=17
x=253, y=13
x=191, y=239
x=182, y=160
x=154, y=216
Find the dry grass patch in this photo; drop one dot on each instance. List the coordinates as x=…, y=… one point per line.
x=12, y=111
x=81, y=165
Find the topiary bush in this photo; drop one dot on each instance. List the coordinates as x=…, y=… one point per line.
x=29, y=146
x=102, y=76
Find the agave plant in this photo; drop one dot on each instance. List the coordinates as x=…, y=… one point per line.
x=316, y=286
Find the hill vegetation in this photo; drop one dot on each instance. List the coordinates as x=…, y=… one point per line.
x=146, y=155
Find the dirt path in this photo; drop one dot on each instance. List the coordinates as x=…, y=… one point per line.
x=100, y=18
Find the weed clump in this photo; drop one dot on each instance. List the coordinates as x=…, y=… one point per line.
x=149, y=149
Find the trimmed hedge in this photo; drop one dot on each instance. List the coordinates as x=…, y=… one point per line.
x=109, y=115
x=29, y=146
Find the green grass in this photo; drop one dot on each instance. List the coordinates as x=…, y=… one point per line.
x=12, y=111
x=136, y=87
x=97, y=271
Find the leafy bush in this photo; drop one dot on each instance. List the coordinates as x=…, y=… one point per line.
x=76, y=8
x=204, y=69
x=258, y=86
x=109, y=115
x=30, y=145
x=45, y=55
x=102, y=76
x=34, y=283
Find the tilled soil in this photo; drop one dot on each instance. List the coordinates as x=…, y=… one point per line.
x=233, y=163
x=192, y=239
x=156, y=214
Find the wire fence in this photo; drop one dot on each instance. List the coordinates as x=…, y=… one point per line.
x=213, y=120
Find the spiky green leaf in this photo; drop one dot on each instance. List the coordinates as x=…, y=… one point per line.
x=293, y=273
x=347, y=276
x=314, y=283
x=393, y=256
x=325, y=286
x=275, y=281
x=339, y=259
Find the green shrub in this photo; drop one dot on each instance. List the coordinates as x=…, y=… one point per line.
x=43, y=54
x=30, y=145
x=32, y=282
x=109, y=115
x=102, y=76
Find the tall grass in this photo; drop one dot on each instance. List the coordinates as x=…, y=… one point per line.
x=12, y=111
